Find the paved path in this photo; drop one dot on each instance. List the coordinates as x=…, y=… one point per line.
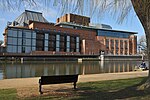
x=33, y=82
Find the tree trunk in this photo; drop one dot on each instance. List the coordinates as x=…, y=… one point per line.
x=141, y=8
x=146, y=84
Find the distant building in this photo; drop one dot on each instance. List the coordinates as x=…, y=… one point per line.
x=72, y=34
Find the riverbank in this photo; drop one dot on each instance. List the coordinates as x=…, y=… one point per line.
x=33, y=82
x=71, y=57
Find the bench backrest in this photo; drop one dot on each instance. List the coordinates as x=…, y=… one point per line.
x=58, y=79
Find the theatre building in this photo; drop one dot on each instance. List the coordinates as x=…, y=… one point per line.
x=73, y=34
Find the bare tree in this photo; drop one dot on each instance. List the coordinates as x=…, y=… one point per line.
x=1, y=42
x=142, y=45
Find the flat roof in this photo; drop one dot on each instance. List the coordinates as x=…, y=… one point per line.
x=94, y=28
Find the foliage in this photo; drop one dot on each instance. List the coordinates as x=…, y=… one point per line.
x=119, y=9
x=1, y=42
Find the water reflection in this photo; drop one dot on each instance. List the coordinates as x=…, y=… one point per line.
x=36, y=69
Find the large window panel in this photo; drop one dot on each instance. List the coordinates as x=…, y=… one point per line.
x=113, y=34
x=77, y=39
x=46, y=43
x=28, y=34
x=27, y=49
x=33, y=48
x=68, y=44
x=20, y=33
x=45, y=48
x=68, y=49
x=10, y=32
x=14, y=49
x=14, y=33
x=68, y=38
x=57, y=43
x=33, y=42
x=19, y=41
x=34, y=35
x=77, y=45
x=77, y=50
x=19, y=49
x=57, y=49
x=57, y=37
x=9, y=40
x=9, y=48
x=46, y=36
x=28, y=42
x=14, y=41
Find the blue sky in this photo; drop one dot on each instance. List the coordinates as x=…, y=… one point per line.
x=131, y=23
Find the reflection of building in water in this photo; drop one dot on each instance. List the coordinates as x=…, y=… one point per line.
x=38, y=69
x=118, y=66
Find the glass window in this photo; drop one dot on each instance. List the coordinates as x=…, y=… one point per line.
x=27, y=33
x=77, y=50
x=46, y=36
x=57, y=43
x=9, y=48
x=77, y=39
x=45, y=48
x=68, y=44
x=19, y=41
x=14, y=41
x=58, y=37
x=68, y=49
x=46, y=42
x=20, y=33
x=14, y=49
x=77, y=45
x=34, y=35
x=9, y=40
x=14, y=34
x=28, y=42
x=112, y=34
x=68, y=38
x=10, y=32
x=33, y=42
x=27, y=49
x=57, y=49
x=33, y=48
x=19, y=49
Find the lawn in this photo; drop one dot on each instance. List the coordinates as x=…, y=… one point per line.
x=104, y=90
x=8, y=94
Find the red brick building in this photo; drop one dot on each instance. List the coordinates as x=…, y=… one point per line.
x=72, y=34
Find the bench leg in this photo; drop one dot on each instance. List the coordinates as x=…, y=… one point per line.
x=40, y=89
x=74, y=85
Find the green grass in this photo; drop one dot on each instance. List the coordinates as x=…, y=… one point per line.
x=105, y=90
x=8, y=94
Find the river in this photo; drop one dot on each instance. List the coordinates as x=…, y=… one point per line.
x=38, y=68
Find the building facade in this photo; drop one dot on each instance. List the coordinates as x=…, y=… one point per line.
x=72, y=34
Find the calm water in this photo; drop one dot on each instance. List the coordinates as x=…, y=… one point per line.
x=36, y=69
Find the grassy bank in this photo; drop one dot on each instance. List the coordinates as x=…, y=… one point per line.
x=8, y=94
x=105, y=90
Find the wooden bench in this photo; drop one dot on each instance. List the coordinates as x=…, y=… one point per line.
x=58, y=79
